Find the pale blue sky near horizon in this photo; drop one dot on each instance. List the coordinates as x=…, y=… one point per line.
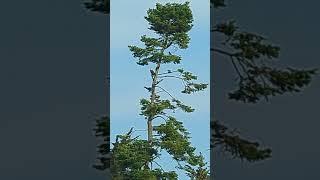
x=127, y=79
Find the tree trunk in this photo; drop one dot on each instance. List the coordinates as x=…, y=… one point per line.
x=153, y=97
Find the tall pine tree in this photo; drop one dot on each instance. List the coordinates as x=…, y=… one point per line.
x=135, y=158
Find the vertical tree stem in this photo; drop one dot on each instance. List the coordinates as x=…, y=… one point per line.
x=153, y=89
x=153, y=97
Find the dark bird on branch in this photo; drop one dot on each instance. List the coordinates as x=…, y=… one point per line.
x=129, y=133
x=152, y=72
x=148, y=88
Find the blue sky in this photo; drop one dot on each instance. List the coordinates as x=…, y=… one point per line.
x=127, y=79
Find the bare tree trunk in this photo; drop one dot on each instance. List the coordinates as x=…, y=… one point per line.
x=154, y=75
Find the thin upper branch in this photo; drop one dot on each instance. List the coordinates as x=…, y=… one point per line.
x=236, y=67
x=166, y=92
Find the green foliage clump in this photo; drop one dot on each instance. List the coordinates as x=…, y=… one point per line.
x=173, y=21
x=130, y=157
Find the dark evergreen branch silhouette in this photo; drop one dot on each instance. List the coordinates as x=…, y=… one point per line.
x=230, y=141
x=102, y=132
x=252, y=58
x=100, y=6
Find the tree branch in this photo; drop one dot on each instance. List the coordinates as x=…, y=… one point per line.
x=236, y=68
x=166, y=92
x=223, y=52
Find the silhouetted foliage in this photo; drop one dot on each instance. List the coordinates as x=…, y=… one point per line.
x=231, y=142
x=101, y=6
x=217, y=3
x=252, y=58
x=102, y=132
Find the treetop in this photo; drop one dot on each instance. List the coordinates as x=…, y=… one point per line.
x=171, y=20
